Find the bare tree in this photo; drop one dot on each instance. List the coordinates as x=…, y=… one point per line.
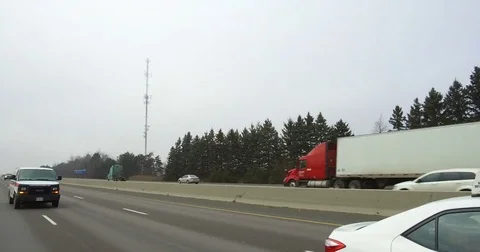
x=380, y=125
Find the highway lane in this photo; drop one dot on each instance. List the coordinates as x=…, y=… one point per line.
x=99, y=220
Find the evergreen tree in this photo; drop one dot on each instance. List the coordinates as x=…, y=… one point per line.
x=159, y=168
x=433, y=108
x=186, y=151
x=221, y=155
x=340, y=129
x=270, y=150
x=289, y=138
x=415, y=118
x=322, y=129
x=310, y=132
x=247, y=154
x=398, y=120
x=233, y=161
x=301, y=136
x=210, y=161
x=174, y=162
x=456, y=104
x=473, y=95
x=254, y=170
x=195, y=156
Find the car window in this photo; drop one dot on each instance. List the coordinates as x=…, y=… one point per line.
x=434, y=177
x=459, y=232
x=449, y=176
x=424, y=235
x=467, y=175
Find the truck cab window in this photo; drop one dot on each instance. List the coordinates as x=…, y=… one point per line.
x=302, y=164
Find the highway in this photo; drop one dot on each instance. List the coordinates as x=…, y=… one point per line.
x=107, y=220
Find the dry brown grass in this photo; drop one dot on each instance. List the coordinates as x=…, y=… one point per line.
x=145, y=178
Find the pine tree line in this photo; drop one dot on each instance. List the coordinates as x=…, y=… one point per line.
x=460, y=104
x=259, y=154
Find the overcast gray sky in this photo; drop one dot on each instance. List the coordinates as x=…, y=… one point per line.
x=71, y=72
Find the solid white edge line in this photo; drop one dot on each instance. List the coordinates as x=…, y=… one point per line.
x=133, y=211
x=49, y=220
x=78, y=197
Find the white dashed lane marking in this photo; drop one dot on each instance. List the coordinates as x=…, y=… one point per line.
x=134, y=211
x=49, y=220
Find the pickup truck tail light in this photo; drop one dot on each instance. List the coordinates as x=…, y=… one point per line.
x=332, y=245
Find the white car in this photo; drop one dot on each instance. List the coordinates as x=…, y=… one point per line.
x=449, y=225
x=458, y=179
x=189, y=179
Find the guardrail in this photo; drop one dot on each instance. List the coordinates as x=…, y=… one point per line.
x=373, y=202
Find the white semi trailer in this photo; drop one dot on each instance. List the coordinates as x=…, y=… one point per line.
x=379, y=160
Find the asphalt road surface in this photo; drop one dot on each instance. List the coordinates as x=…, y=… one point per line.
x=104, y=221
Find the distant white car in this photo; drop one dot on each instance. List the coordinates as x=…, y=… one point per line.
x=449, y=225
x=459, y=179
x=189, y=179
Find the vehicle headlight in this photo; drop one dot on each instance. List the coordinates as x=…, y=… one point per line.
x=55, y=188
x=23, y=189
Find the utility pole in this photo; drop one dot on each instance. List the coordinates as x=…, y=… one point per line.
x=147, y=102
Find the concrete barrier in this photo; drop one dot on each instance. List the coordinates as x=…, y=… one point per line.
x=373, y=202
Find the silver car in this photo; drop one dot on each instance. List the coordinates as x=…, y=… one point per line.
x=189, y=179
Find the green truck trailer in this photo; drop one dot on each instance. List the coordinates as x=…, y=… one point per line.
x=116, y=173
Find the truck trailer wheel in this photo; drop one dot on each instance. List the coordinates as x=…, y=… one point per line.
x=339, y=184
x=355, y=184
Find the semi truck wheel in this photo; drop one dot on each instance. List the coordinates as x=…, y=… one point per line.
x=292, y=183
x=355, y=184
x=338, y=184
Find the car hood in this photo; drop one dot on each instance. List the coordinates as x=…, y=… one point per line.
x=354, y=226
x=406, y=183
x=38, y=183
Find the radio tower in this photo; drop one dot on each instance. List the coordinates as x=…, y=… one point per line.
x=147, y=102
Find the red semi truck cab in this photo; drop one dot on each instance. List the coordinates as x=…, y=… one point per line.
x=316, y=169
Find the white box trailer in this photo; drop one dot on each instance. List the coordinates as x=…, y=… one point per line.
x=410, y=153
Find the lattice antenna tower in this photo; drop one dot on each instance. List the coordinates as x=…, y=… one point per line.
x=147, y=99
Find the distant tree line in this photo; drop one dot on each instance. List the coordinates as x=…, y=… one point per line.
x=259, y=153
x=98, y=165
x=460, y=104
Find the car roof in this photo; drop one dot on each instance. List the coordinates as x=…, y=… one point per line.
x=459, y=170
x=33, y=168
